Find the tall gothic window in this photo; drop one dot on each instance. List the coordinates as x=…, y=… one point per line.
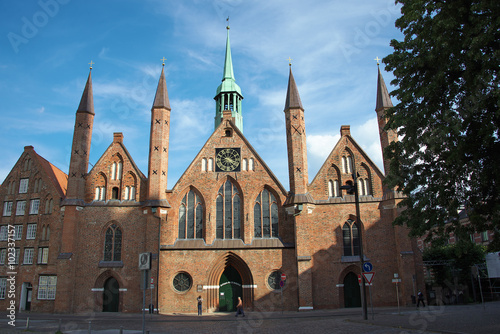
x=350, y=233
x=265, y=215
x=113, y=244
x=228, y=212
x=191, y=217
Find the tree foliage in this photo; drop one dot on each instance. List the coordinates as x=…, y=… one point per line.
x=463, y=255
x=447, y=72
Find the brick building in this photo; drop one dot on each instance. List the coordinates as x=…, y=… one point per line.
x=227, y=228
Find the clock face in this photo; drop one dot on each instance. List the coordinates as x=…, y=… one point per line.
x=227, y=160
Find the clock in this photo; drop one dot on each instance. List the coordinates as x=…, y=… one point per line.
x=227, y=160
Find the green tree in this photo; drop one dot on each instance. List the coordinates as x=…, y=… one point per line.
x=447, y=76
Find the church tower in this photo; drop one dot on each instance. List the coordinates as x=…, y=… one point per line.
x=80, y=150
x=158, y=145
x=228, y=96
x=296, y=140
x=384, y=103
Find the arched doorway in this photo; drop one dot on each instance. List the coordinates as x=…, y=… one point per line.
x=111, y=296
x=230, y=289
x=352, y=293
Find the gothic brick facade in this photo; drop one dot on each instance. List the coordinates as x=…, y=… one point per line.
x=227, y=228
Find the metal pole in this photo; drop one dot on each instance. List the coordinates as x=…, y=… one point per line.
x=371, y=300
x=397, y=296
x=480, y=287
x=362, y=262
x=144, y=301
x=281, y=299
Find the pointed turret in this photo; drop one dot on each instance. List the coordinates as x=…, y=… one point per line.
x=228, y=95
x=292, y=94
x=161, y=97
x=296, y=143
x=87, y=101
x=383, y=98
x=383, y=103
x=158, y=146
x=80, y=151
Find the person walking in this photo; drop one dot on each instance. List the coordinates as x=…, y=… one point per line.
x=420, y=298
x=239, y=307
x=200, y=304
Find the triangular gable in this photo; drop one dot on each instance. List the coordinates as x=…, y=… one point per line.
x=58, y=178
x=126, y=155
x=340, y=146
x=249, y=146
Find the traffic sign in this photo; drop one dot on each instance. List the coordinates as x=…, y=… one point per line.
x=283, y=277
x=368, y=277
x=396, y=280
x=367, y=267
x=359, y=279
x=282, y=283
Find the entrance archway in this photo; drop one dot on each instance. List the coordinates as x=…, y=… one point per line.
x=111, y=296
x=230, y=289
x=229, y=274
x=352, y=293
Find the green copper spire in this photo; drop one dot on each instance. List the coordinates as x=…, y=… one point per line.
x=228, y=96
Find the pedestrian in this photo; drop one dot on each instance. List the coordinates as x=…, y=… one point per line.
x=239, y=307
x=420, y=298
x=200, y=303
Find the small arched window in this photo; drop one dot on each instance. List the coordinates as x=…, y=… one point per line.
x=244, y=164
x=114, y=193
x=250, y=164
x=191, y=217
x=265, y=215
x=351, y=238
x=113, y=244
x=228, y=212
x=204, y=165
x=210, y=164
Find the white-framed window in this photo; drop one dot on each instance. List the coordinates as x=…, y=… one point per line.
x=210, y=164
x=3, y=255
x=3, y=287
x=244, y=164
x=250, y=164
x=43, y=255
x=34, y=205
x=3, y=233
x=7, y=208
x=29, y=253
x=204, y=165
x=23, y=186
x=31, y=231
x=20, y=207
x=47, y=287
x=17, y=251
x=18, y=232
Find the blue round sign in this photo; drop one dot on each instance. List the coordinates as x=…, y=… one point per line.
x=367, y=266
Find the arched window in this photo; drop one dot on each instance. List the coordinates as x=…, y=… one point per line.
x=228, y=212
x=119, y=171
x=203, y=165
x=244, y=164
x=191, y=217
x=97, y=193
x=113, y=171
x=114, y=193
x=265, y=215
x=250, y=164
x=350, y=234
x=113, y=244
x=210, y=164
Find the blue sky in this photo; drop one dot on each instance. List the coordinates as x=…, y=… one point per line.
x=46, y=45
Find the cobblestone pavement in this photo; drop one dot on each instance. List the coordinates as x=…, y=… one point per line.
x=435, y=319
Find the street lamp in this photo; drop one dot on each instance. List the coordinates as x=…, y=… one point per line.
x=353, y=189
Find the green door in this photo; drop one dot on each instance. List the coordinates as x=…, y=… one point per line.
x=111, y=296
x=352, y=293
x=229, y=290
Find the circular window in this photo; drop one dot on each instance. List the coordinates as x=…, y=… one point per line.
x=273, y=280
x=182, y=282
